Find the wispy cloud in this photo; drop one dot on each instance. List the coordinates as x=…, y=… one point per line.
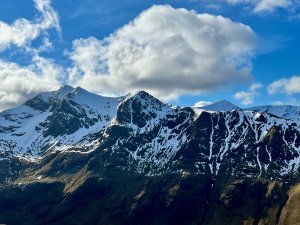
x=285, y=85
x=22, y=31
x=271, y=44
x=260, y=6
x=99, y=8
x=247, y=97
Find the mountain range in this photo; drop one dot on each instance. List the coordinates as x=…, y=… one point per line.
x=75, y=157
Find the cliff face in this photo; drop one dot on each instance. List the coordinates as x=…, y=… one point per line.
x=73, y=157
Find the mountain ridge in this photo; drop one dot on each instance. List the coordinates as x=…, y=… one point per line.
x=70, y=116
x=174, y=165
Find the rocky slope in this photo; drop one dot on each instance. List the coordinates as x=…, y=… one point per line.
x=73, y=157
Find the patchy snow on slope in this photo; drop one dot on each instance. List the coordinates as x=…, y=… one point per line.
x=284, y=111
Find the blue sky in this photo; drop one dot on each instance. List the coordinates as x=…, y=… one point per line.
x=245, y=51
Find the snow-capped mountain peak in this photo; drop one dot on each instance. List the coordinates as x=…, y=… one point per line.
x=64, y=91
x=222, y=105
x=63, y=117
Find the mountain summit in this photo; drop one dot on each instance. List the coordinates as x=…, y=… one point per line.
x=71, y=156
x=222, y=105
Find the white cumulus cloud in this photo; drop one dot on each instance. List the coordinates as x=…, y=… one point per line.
x=247, y=97
x=285, y=85
x=20, y=83
x=166, y=51
x=23, y=31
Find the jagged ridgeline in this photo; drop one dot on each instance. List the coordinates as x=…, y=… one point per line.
x=74, y=157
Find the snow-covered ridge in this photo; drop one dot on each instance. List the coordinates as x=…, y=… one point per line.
x=151, y=133
x=23, y=130
x=290, y=112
